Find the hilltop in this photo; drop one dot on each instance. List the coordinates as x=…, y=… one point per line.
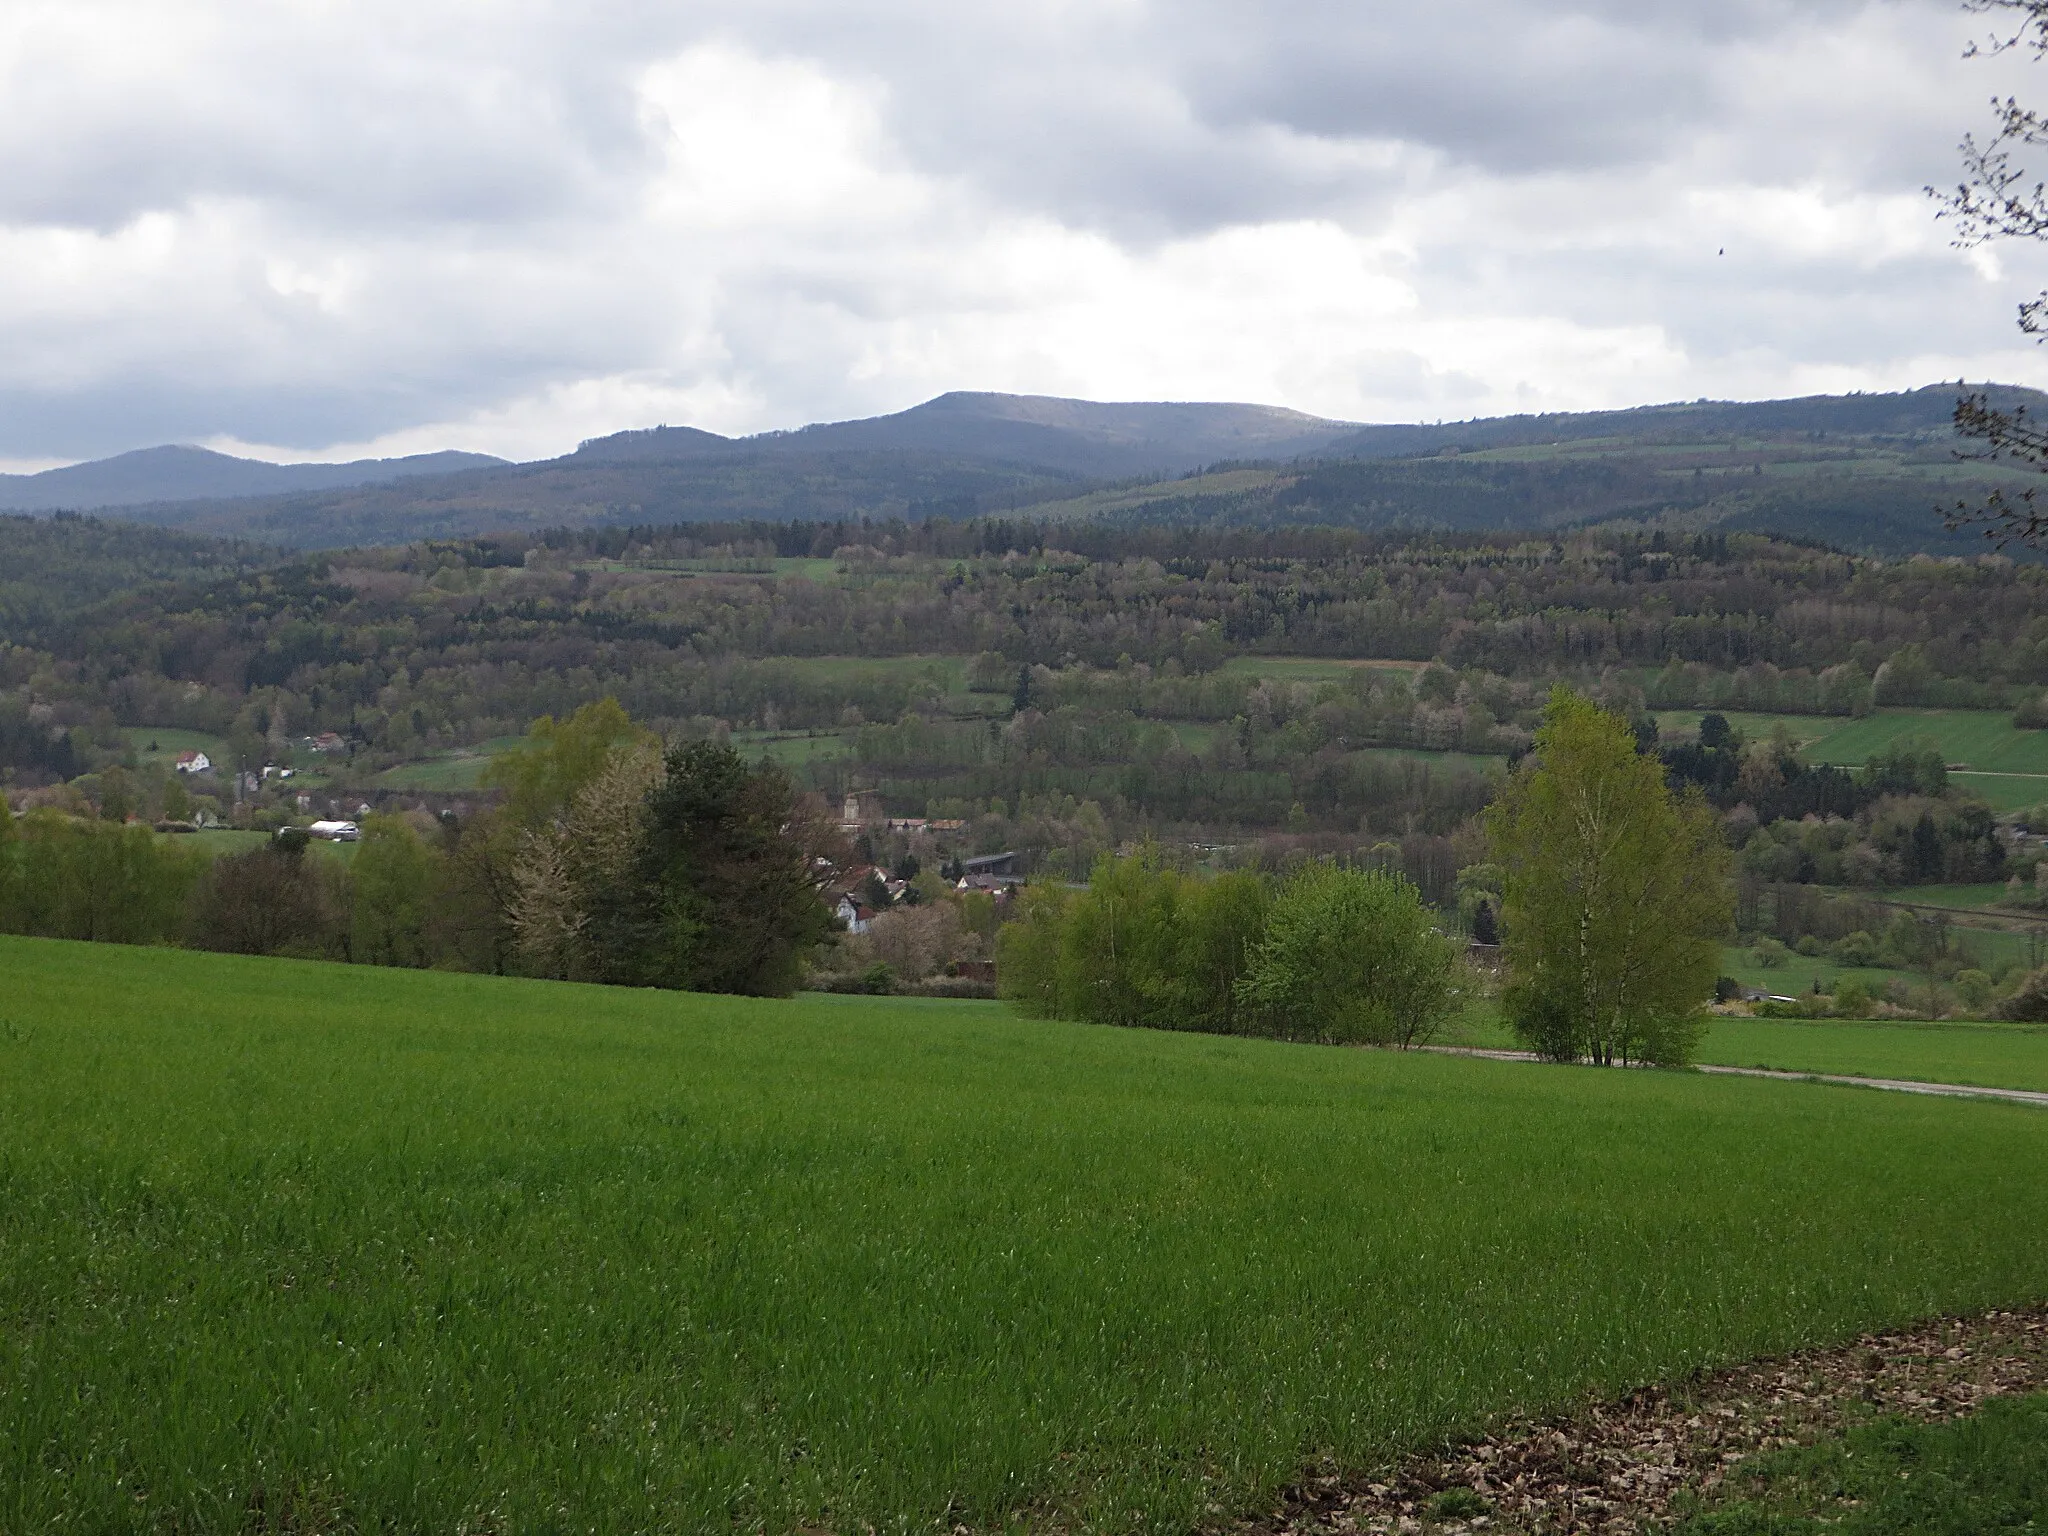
x=1863, y=472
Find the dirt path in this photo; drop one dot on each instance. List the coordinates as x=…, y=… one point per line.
x=1890, y=1084
x=1617, y=1466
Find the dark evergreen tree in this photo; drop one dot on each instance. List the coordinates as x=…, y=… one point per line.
x=730, y=901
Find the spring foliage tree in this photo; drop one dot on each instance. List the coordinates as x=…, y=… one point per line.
x=1143, y=945
x=1330, y=954
x=1351, y=957
x=1616, y=895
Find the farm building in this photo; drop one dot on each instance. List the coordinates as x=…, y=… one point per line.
x=193, y=762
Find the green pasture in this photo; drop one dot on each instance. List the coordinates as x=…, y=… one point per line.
x=1309, y=669
x=1797, y=975
x=459, y=769
x=286, y=1246
x=950, y=672
x=1985, y=739
x=1988, y=1055
x=793, y=749
x=1962, y=898
x=158, y=746
x=216, y=841
x=1127, y=498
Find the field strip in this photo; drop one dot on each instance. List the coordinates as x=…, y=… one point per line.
x=1890, y=1084
x=1620, y=1465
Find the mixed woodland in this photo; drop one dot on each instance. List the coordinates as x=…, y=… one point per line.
x=1236, y=698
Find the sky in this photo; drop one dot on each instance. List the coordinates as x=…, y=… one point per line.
x=308, y=229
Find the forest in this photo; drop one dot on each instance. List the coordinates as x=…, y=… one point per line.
x=1236, y=697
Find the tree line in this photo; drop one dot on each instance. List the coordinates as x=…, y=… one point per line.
x=611, y=859
x=1615, y=895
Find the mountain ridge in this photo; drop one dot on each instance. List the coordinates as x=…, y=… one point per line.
x=183, y=472
x=1860, y=470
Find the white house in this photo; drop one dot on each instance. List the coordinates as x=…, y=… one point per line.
x=855, y=916
x=193, y=762
x=336, y=831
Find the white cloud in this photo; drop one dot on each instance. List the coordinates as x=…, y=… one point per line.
x=321, y=230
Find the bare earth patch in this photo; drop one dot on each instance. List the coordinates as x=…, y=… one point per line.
x=1617, y=1467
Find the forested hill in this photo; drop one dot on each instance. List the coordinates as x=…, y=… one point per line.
x=174, y=473
x=1862, y=472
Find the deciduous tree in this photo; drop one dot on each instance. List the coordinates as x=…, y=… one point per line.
x=1351, y=957
x=1617, y=894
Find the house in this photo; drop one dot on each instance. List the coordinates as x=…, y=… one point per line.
x=193, y=762
x=852, y=915
x=995, y=872
x=273, y=771
x=861, y=808
x=327, y=741
x=336, y=831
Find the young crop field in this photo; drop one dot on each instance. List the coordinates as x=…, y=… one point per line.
x=1987, y=1055
x=297, y=1247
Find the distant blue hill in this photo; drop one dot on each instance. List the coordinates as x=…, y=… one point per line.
x=195, y=474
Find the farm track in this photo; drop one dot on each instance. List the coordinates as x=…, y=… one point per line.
x=1889, y=1084
x=1620, y=1467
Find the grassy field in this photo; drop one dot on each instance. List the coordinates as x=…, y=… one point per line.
x=1308, y=669
x=159, y=746
x=2008, y=768
x=218, y=840
x=793, y=748
x=1989, y=1055
x=1890, y=1477
x=299, y=1247
x=460, y=769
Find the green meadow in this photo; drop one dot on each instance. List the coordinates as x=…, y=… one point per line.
x=286, y=1246
x=159, y=746
x=1987, y=1055
x=2007, y=767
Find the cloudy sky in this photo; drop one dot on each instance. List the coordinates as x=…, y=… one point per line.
x=309, y=228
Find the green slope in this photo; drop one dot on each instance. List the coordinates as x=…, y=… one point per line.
x=297, y=1247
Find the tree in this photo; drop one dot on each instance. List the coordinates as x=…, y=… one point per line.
x=542, y=777
x=392, y=886
x=1994, y=201
x=727, y=895
x=1616, y=895
x=578, y=900
x=81, y=879
x=276, y=900
x=1350, y=957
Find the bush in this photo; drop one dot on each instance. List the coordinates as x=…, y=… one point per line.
x=1350, y=957
x=1810, y=946
x=1854, y=949
x=2029, y=1004
x=1852, y=1000
x=1974, y=989
x=1770, y=954
x=1334, y=955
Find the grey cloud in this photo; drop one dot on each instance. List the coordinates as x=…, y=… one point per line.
x=486, y=185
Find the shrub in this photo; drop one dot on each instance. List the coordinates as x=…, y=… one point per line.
x=1852, y=999
x=1854, y=949
x=1810, y=946
x=1351, y=957
x=1973, y=987
x=1770, y=954
x=2029, y=1004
